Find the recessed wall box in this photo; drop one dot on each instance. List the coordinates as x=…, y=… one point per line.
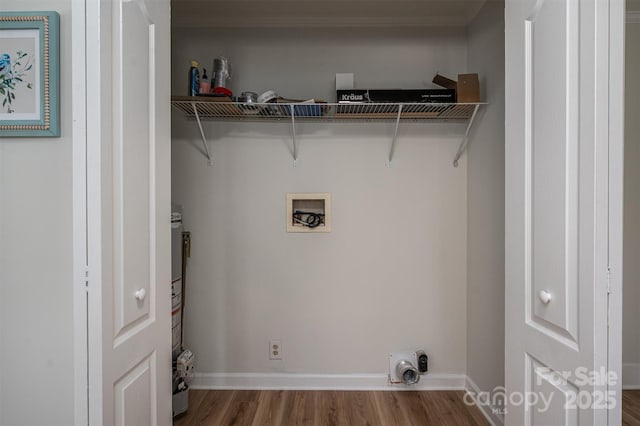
x=309, y=212
x=403, y=368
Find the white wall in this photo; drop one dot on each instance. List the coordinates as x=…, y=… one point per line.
x=631, y=274
x=485, y=217
x=392, y=273
x=302, y=63
x=36, y=340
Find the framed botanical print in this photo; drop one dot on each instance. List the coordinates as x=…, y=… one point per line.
x=29, y=74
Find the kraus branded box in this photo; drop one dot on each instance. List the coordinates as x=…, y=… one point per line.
x=397, y=96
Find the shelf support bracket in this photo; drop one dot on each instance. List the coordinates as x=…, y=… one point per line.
x=293, y=132
x=465, y=139
x=204, y=139
x=395, y=136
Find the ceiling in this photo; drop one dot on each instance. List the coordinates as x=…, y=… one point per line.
x=323, y=13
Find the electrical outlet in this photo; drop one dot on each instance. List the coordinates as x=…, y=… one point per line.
x=275, y=349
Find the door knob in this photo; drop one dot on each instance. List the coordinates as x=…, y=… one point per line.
x=140, y=294
x=544, y=296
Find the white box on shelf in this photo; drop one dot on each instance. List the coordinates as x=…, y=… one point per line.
x=344, y=81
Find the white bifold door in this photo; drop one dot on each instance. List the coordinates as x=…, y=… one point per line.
x=558, y=142
x=128, y=170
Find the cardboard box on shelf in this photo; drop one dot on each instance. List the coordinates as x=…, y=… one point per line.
x=445, y=82
x=467, y=87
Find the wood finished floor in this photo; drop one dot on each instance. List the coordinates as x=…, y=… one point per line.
x=631, y=407
x=329, y=408
x=346, y=408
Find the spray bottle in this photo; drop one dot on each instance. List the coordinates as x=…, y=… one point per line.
x=205, y=85
x=194, y=79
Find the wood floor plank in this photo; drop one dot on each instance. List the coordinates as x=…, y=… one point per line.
x=455, y=411
x=195, y=400
x=272, y=406
x=631, y=407
x=240, y=413
x=213, y=408
x=360, y=408
x=302, y=409
x=330, y=409
x=437, y=409
x=241, y=409
x=388, y=408
x=413, y=409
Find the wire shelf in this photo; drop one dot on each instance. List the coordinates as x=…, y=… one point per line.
x=214, y=109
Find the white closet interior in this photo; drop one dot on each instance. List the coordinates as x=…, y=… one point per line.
x=415, y=256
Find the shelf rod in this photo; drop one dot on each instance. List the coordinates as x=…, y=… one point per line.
x=395, y=136
x=465, y=139
x=204, y=139
x=293, y=131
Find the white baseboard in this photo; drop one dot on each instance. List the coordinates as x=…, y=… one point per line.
x=488, y=410
x=631, y=376
x=292, y=381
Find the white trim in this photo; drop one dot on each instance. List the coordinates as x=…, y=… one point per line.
x=605, y=26
x=97, y=16
x=633, y=17
x=615, y=166
x=488, y=411
x=79, y=183
x=292, y=381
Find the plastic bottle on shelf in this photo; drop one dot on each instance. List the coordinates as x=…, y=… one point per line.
x=205, y=84
x=194, y=79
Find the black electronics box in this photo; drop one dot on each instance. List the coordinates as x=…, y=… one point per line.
x=397, y=96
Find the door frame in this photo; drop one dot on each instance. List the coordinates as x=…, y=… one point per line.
x=617, y=28
x=80, y=217
x=87, y=201
x=613, y=14
x=86, y=175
